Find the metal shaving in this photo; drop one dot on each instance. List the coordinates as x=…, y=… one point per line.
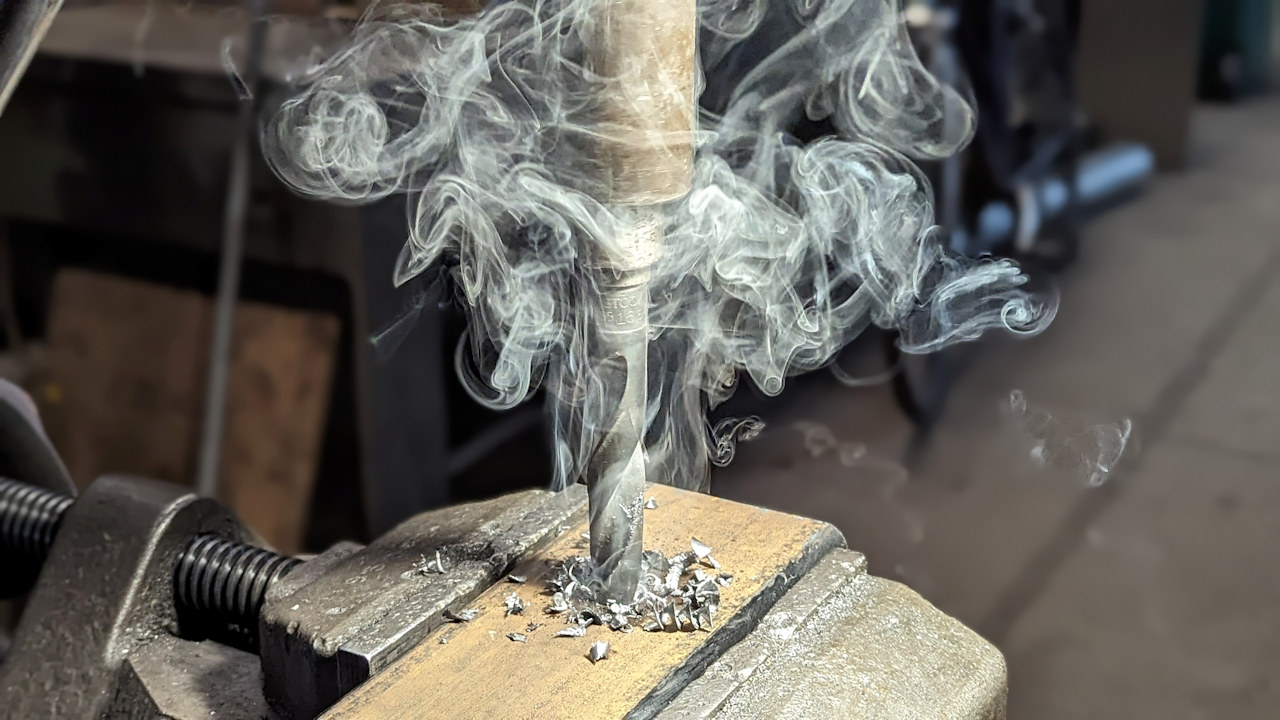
x=703, y=552
x=515, y=606
x=444, y=641
x=517, y=579
x=461, y=616
x=558, y=604
x=517, y=637
x=651, y=504
x=430, y=567
x=599, y=651
x=673, y=595
x=532, y=626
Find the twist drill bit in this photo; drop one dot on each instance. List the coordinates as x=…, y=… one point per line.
x=648, y=46
x=616, y=470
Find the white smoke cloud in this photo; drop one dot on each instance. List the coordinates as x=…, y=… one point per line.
x=1068, y=443
x=891, y=476
x=779, y=255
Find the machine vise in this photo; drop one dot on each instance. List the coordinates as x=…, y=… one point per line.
x=143, y=600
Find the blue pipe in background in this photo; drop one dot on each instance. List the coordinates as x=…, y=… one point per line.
x=1102, y=175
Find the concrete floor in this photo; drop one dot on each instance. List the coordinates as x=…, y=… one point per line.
x=1152, y=595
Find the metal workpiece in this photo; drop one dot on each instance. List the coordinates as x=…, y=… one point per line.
x=550, y=674
x=347, y=614
x=843, y=643
x=809, y=556
x=105, y=590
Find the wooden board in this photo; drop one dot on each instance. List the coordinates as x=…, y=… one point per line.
x=125, y=376
x=480, y=673
x=125, y=390
x=278, y=386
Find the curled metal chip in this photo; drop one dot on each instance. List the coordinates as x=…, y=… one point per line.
x=672, y=582
x=668, y=617
x=532, y=626
x=434, y=566
x=651, y=504
x=461, y=616
x=702, y=552
x=700, y=549
x=572, y=631
x=703, y=618
x=599, y=651
x=655, y=562
x=684, y=617
x=517, y=637
x=515, y=606
x=517, y=579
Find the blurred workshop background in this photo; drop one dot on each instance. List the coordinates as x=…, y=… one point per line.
x=1100, y=501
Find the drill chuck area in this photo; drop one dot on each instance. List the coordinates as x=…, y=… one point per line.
x=409, y=625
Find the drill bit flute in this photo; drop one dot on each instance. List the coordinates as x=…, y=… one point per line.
x=648, y=47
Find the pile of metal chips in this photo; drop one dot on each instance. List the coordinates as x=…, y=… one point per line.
x=676, y=594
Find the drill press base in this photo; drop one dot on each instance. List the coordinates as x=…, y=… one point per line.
x=803, y=632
